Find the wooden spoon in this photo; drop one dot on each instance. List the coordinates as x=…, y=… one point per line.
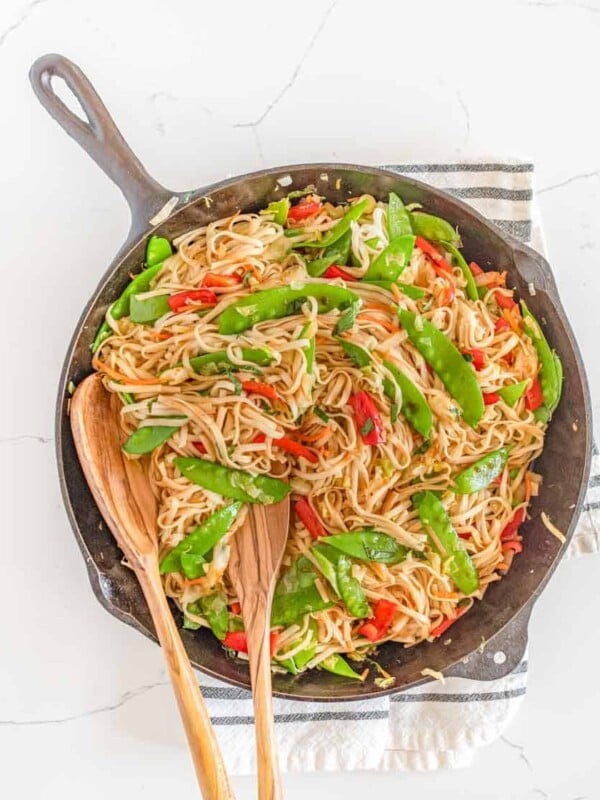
x=256, y=553
x=124, y=496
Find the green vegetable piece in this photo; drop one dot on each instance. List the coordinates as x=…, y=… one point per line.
x=355, y=352
x=392, y=260
x=202, y=539
x=321, y=414
x=146, y=439
x=457, y=563
x=367, y=546
x=350, y=589
x=234, y=483
x=279, y=209
x=336, y=253
x=348, y=318
x=296, y=594
x=192, y=565
x=435, y=229
x=480, y=474
x=213, y=608
x=157, y=249
x=343, y=226
x=513, y=392
x=127, y=398
x=327, y=558
x=471, y=286
x=310, y=350
x=147, y=310
x=282, y=301
x=336, y=664
x=551, y=373
x=414, y=292
x=398, y=218
x=104, y=331
x=447, y=362
x=215, y=363
x=296, y=664
x=414, y=406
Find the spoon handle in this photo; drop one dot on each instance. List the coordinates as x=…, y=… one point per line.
x=256, y=616
x=201, y=737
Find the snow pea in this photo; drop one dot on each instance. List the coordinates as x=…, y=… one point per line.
x=414, y=406
x=392, y=260
x=336, y=253
x=234, y=483
x=414, y=292
x=279, y=209
x=358, y=354
x=213, y=608
x=343, y=226
x=310, y=349
x=296, y=594
x=214, y=363
x=348, y=318
x=551, y=372
x=157, y=249
x=480, y=474
x=447, y=362
x=434, y=229
x=200, y=540
x=351, y=591
x=398, y=219
x=336, y=664
x=456, y=562
x=148, y=438
x=471, y=286
x=120, y=308
x=282, y=301
x=145, y=311
x=326, y=558
x=367, y=546
x=511, y=393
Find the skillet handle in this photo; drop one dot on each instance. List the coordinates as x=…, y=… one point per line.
x=99, y=137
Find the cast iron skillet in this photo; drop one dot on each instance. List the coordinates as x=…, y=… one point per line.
x=501, y=618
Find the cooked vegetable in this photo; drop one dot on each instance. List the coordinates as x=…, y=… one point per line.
x=343, y=226
x=447, y=362
x=513, y=392
x=392, y=260
x=308, y=517
x=550, y=367
x=368, y=546
x=339, y=666
x=480, y=474
x=414, y=406
x=434, y=229
x=146, y=439
x=367, y=417
x=234, y=483
x=213, y=363
x=398, y=218
x=296, y=594
x=157, y=249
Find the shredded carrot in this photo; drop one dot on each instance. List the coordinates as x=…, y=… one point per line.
x=389, y=326
x=194, y=582
x=513, y=319
x=447, y=595
x=379, y=307
x=502, y=565
x=117, y=376
x=316, y=437
x=528, y=487
x=160, y=336
x=396, y=293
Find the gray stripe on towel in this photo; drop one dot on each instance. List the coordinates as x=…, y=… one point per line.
x=476, y=697
x=315, y=716
x=490, y=193
x=464, y=167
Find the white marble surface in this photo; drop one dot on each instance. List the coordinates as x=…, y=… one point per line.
x=203, y=90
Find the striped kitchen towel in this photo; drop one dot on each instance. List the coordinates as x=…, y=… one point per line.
x=435, y=726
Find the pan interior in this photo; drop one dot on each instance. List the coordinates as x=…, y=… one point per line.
x=563, y=464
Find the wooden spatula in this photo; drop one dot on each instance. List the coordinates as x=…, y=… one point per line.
x=124, y=496
x=256, y=553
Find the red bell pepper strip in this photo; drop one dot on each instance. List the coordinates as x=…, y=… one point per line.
x=260, y=438
x=504, y=301
x=513, y=544
x=477, y=358
x=367, y=417
x=534, y=397
x=440, y=265
x=303, y=210
x=337, y=272
x=236, y=609
x=511, y=528
x=475, y=268
x=501, y=325
x=443, y=626
x=309, y=518
x=384, y=614
x=369, y=631
x=199, y=447
x=178, y=302
x=489, y=398
x=212, y=279
x=448, y=293
x=237, y=640
x=263, y=389
x=296, y=449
